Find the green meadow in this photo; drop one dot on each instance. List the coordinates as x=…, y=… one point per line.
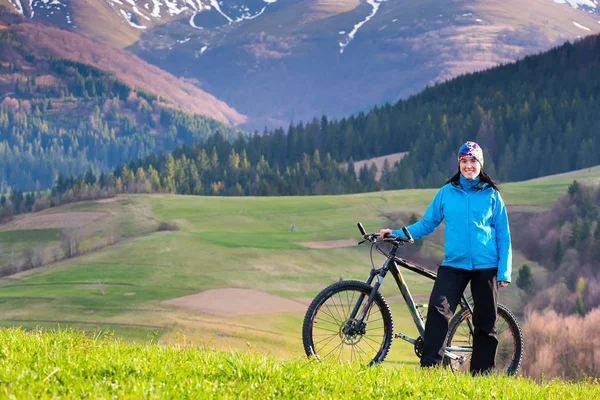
x=70, y=364
x=227, y=242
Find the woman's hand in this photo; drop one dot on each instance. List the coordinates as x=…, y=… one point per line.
x=502, y=284
x=384, y=231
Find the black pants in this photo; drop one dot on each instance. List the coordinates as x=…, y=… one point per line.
x=445, y=296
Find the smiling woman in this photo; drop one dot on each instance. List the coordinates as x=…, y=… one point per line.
x=477, y=250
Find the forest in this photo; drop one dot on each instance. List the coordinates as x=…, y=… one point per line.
x=534, y=117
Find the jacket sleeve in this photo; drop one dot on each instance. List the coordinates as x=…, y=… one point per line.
x=500, y=221
x=432, y=218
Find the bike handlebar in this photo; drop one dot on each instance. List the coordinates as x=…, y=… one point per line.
x=371, y=237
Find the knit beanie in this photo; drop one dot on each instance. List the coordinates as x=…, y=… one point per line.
x=471, y=149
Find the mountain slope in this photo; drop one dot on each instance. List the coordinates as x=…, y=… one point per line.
x=60, y=116
x=304, y=59
x=44, y=40
x=278, y=61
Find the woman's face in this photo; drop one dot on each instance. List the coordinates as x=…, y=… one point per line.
x=469, y=167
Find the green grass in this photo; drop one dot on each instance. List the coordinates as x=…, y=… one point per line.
x=70, y=364
x=29, y=236
x=230, y=243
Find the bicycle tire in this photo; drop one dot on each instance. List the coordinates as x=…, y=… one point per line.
x=329, y=312
x=510, y=340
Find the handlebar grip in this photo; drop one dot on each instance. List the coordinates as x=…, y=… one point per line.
x=361, y=229
x=408, y=236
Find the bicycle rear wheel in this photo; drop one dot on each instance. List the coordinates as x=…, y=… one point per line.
x=326, y=332
x=510, y=341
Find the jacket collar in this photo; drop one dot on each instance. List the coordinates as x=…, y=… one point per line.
x=476, y=184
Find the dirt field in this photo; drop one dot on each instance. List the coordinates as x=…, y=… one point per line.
x=235, y=302
x=54, y=221
x=329, y=244
x=392, y=159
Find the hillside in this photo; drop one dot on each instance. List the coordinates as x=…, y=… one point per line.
x=282, y=61
x=533, y=118
x=303, y=59
x=48, y=41
x=170, y=283
x=63, y=116
x=45, y=365
x=543, y=106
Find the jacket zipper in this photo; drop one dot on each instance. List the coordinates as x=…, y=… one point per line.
x=469, y=228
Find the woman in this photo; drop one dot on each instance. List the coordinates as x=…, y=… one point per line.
x=477, y=249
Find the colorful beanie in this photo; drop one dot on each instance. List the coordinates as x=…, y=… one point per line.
x=471, y=149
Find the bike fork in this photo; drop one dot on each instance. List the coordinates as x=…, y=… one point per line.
x=356, y=325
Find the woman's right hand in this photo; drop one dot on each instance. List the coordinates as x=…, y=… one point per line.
x=384, y=231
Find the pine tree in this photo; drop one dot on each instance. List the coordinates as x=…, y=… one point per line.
x=557, y=254
x=168, y=175
x=525, y=279
x=90, y=178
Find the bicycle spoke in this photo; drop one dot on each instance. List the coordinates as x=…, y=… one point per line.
x=350, y=303
x=339, y=307
x=325, y=345
x=329, y=321
x=363, y=352
x=327, y=330
x=338, y=319
x=331, y=337
x=332, y=350
x=375, y=320
x=374, y=341
x=319, y=340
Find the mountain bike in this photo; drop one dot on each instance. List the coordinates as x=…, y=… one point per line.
x=351, y=321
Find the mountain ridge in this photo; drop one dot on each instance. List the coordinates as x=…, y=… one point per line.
x=278, y=61
x=47, y=40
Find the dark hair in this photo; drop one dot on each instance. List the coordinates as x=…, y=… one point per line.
x=482, y=176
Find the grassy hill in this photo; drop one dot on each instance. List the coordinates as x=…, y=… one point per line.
x=68, y=364
x=224, y=243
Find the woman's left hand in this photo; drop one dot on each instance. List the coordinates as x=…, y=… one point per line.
x=502, y=284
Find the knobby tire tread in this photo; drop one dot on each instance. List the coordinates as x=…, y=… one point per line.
x=513, y=323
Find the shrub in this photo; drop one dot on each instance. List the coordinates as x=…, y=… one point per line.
x=167, y=226
x=562, y=346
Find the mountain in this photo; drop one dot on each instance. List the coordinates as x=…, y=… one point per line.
x=533, y=118
x=278, y=61
x=63, y=116
x=46, y=40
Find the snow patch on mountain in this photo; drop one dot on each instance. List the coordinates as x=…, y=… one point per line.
x=49, y=6
x=581, y=26
x=579, y=3
x=128, y=17
x=375, y=6
x=17, y=5
x=158, y=9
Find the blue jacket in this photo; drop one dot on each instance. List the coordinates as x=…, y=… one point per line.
x=476, y=233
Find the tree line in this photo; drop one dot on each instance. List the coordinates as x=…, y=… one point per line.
x=566, y=241
x=59, y=116
x=534, y=117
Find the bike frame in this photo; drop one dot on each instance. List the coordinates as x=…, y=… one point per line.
x=391, y=265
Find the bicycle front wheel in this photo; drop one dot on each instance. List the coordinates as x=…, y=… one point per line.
x=510, y=341
x=329, y=330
